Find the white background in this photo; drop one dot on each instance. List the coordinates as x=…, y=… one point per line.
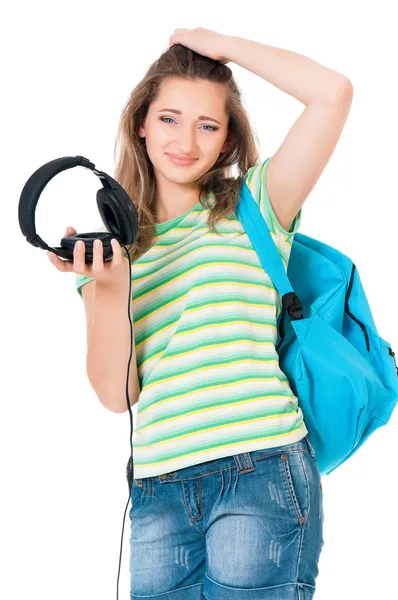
x=67, y=71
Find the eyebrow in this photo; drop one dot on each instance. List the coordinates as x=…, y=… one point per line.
x=178, y=112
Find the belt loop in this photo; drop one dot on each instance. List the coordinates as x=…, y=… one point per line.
x=165, y=476
x=244, y=462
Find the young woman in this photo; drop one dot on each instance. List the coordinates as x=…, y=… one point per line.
x=227, y=500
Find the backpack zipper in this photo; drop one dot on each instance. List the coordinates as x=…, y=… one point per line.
x=347, y=310
x=392, y=353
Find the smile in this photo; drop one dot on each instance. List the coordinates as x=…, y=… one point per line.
x=181, y=161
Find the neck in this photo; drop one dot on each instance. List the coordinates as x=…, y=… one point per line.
x=164, y=213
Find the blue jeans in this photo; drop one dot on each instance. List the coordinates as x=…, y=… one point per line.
x=244, y=527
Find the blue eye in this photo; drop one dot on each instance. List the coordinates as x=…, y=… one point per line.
x=211, y=126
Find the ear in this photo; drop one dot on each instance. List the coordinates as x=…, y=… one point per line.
x=226, y=145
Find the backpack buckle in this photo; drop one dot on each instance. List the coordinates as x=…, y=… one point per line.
x=292, y=304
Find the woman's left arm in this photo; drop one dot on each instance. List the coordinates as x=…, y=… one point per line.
x=296, y=166
x=299, y=76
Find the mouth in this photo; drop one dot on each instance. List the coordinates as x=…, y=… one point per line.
x=181, y=161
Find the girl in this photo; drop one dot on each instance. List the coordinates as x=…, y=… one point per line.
x=227, y=501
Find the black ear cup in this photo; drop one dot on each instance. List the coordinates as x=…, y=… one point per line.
x=118, y=213
x=68, y=244
x=121, y=219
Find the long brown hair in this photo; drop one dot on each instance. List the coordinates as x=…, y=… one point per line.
x=134, y=169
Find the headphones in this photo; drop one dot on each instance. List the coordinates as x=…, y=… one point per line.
x=119, y=216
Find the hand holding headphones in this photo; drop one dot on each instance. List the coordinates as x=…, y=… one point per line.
x=114, y=270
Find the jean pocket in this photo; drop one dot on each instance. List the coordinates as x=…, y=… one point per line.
x=294, y=474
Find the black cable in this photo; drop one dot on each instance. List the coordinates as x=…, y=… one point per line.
x=130, y=468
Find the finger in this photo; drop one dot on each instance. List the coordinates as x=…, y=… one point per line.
x=70, y=231
x=98, y=252
x=61, y=265
x=117, y=252
x=79, y=254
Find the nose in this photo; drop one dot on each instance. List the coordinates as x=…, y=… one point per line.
x=186, y=141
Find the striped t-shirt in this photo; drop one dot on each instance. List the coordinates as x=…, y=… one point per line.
x=204, y=316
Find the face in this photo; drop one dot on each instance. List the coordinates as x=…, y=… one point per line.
x=190, y=134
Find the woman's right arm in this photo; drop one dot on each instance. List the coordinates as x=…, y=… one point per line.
x=108, y=344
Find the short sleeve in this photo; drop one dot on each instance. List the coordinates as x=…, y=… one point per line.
x=256, y=180
x=80, y=280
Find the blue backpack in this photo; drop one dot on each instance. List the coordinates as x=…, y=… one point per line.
x=342, y=372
